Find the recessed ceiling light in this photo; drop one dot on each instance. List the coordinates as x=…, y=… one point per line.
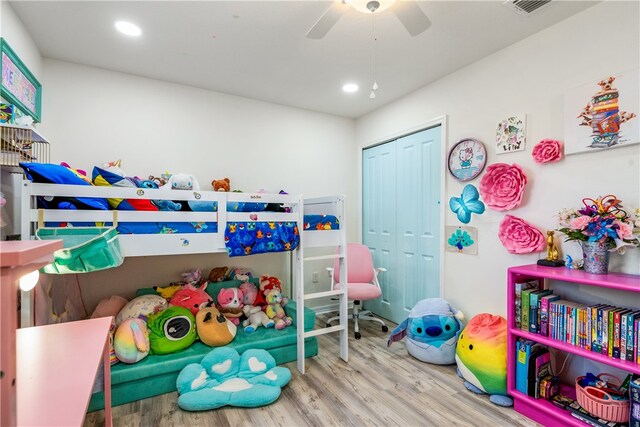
x=350, y=87
x=128, y=28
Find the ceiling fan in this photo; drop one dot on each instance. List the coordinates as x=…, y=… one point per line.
x=408, y=12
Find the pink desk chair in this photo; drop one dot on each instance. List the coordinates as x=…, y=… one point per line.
x=362, y=284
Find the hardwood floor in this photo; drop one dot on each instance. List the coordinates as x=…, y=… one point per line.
x=379, y=386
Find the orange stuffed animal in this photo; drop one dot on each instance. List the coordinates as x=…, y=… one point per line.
x=221, y=184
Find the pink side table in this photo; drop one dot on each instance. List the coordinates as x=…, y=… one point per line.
x=58, y=359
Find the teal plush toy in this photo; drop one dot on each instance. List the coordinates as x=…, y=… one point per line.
x=225, y=378
x=171, y=330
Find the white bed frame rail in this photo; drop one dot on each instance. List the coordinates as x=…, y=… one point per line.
x=194, y=243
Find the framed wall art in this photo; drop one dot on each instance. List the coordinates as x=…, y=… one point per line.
x=19, y=86
x=603, y=114
x=510, y=135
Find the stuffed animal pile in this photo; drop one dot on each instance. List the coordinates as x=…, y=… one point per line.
x=182, y=312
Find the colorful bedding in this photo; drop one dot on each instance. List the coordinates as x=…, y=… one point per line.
x=250, y=238
x=321, y=222
x=148, y=227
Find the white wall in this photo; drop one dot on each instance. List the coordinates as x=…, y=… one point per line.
x=528, y=77
x=94, y=116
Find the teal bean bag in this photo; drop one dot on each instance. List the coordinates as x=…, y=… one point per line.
x=225, y=378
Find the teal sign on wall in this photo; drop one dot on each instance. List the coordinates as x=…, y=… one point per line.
x=19, y=86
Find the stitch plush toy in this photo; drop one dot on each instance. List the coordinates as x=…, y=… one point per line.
x=432, y=330
x=191, y=297
x=230, y=302
x=221, y=184
x=275, y=310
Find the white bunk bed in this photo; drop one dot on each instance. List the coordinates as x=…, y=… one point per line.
x=201, y=242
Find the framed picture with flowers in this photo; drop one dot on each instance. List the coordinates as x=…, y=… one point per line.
x=19, y=86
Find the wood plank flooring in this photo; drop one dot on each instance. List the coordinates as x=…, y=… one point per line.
x=379, y=386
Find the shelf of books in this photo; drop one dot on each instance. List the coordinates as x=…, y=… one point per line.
x=539, y=319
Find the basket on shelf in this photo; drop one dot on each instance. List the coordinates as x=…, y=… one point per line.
x=601, y=404
x=86, y=249
x=22, y=144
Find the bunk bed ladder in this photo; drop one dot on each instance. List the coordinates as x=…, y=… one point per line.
x=341, y=293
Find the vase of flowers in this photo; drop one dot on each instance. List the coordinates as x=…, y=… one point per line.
x=601, y=226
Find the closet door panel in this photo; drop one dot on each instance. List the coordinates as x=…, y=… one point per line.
x=429, y=213
x=379, y=217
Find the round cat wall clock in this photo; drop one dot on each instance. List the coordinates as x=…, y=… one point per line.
x=467, y=159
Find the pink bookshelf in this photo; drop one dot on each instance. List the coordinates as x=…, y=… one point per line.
x=541, y=410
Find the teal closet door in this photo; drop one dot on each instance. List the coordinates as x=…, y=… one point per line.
x=403, y=228
x=379, y=217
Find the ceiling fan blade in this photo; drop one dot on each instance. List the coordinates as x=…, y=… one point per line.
x=411, y=16
x=327, y=20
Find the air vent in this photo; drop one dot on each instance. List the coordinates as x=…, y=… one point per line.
x=525, y=7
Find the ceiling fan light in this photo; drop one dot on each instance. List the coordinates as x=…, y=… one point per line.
x=361, y=5
x=350, y=87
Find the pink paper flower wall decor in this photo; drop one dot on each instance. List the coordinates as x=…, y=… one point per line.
x=520, y=237
x=502, y=186
x=547, y=151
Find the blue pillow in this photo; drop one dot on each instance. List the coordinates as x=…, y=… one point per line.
x=49, y=173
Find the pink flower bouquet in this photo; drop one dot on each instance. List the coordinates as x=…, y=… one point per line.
x=502, y=186
x=602, y=220
x=547, y=151
x=520, y=237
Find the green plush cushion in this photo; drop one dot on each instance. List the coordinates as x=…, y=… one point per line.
x=156, y=374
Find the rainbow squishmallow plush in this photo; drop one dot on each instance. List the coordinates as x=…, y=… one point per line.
x=481, y=356
x=131, y=341
x=432, y=330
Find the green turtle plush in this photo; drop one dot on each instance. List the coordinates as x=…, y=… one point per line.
x=171, y=330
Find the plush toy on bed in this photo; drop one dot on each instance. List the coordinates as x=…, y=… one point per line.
x=255, y=315
x=275, y=308
x=230, y=303
x=239, y=273
x=432, y=330
x=171, y=330
x=221, y=184
x=481, y=356
x=213, y=328
x=266, y=284
x=131, y=341
x=217, y=274
x=141, y=306
x=191, y=297
x=110, y=306
x=182, y=181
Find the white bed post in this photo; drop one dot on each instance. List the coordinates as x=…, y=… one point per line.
x=299, y=286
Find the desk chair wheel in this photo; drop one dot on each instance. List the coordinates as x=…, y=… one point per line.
x=385, y=328
x=358, y=336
